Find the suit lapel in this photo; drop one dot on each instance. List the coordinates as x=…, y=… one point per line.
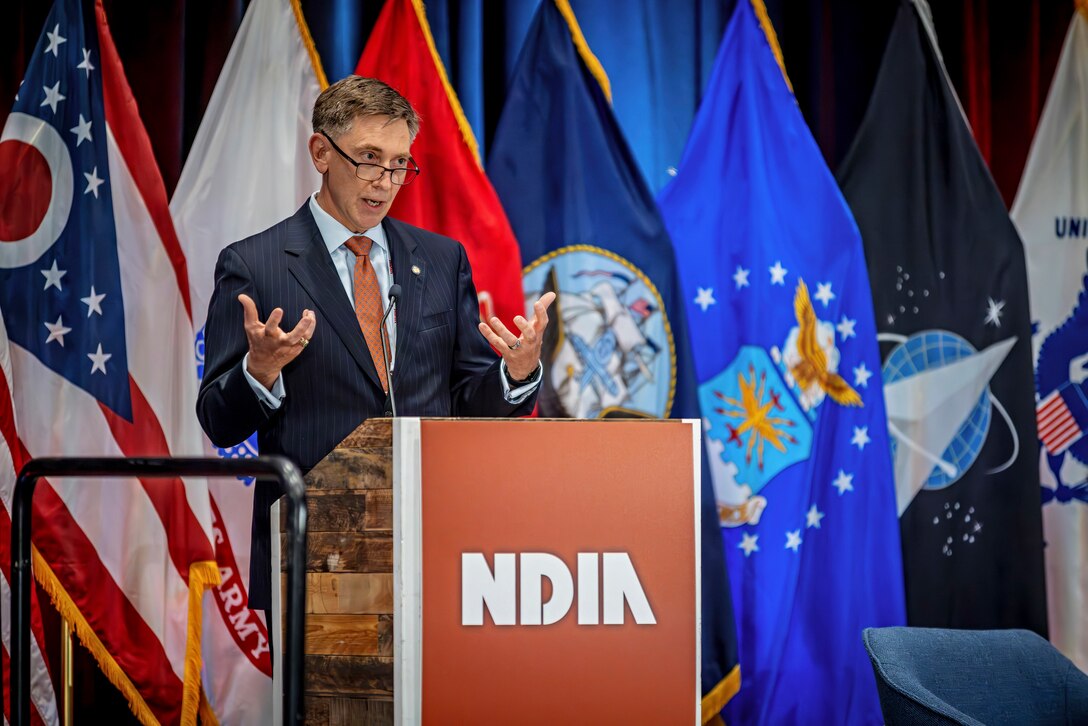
x=410, y=272
x=309, y=263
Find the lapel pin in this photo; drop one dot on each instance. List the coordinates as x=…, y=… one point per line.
x=415, y=269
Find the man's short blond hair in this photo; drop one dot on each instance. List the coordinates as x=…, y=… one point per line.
x=339, y=105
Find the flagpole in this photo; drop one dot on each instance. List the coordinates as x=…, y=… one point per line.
x=66, y=671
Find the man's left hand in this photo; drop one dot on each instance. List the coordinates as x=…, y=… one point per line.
x=521, y=353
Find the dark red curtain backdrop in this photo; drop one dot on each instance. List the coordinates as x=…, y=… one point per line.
x=1000, y=54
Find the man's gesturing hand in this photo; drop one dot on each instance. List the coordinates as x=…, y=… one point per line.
x=521, y=353
x=270, y=349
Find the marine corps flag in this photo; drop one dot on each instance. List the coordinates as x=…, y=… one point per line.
x=590, y=231
x=793, y=417
x=452, y=196
x=1051, y=213
x=950, y=295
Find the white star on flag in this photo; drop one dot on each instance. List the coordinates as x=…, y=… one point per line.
x=98, y=360
x=93, y=182
x=778, y=273
x=846, y=327
x=843, y=482
x=57, y=331
x=82, y=131
x=861, y=437
x=741, y=277
x=93, y=302
x=53, y=96
x=52, y=276
x=823, y=293
x=793, y=540
x=54, y=40
x=862, y=375
x=994, y=310
x=748, y=544
x=86, y=64
x=813, y=517
x=705, y=297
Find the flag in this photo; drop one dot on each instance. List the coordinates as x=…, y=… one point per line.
x=42, y=694
x=946, y=269
x=1051, y=214
x=249, y=167
x=453, y=195
x=782, y=328
x=94, y=297
x=617, y=341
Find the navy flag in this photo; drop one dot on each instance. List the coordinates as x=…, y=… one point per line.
x=785, y=351
x=950, y=295
x=589, y=230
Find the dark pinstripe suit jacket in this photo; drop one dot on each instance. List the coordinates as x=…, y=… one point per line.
x=444, y=367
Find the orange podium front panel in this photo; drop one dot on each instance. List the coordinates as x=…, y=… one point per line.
x=546, y=571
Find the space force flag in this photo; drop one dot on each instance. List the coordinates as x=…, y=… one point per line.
x=793, y=417
x=1051, y=213
x=589, y=231
x=950, y=296
x=94, y=294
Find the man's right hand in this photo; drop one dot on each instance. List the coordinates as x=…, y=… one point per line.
x=270, y=349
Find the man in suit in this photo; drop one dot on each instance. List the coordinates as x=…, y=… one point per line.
x=326, y=273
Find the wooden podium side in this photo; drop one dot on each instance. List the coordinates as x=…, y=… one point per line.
x=349, y=581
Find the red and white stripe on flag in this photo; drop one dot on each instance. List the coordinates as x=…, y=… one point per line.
x=94, y=295
x=1058, y=429
x=42, y=693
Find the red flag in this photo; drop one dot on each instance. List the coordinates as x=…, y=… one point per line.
x=453, y=195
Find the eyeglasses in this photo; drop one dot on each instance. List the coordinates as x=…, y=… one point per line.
x=365, y=171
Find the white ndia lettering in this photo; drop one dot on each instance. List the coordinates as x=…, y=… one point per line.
x=481, y=588
x=622, y=583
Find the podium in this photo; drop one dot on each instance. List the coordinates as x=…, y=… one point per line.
x=502, y=570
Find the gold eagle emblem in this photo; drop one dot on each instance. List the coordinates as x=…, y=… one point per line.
x=812, y=368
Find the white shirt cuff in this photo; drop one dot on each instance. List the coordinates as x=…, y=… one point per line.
x=272, y=398
x=519, y=394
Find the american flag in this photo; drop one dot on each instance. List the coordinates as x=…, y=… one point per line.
x=94, y=298
x=1062, y=416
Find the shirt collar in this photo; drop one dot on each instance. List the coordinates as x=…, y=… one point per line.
x=334, y=234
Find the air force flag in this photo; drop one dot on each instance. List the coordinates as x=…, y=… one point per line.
x=786, y=356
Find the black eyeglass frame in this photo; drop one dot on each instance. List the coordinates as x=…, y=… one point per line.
x=410, y=172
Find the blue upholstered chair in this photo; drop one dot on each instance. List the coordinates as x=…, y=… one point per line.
x=933, y=676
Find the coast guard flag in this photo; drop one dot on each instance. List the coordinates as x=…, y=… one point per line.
x=1051, y=214
x=94, y=297
x=951, y=303
x=617, y=342
x=249, y=167
x=789, y=388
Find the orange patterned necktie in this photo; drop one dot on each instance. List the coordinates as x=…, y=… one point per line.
x=368, y=303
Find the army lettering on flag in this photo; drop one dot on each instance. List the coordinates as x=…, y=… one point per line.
x=1051, y=214
x=950, y=293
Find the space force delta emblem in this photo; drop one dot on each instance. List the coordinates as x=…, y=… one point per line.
x=609, y=352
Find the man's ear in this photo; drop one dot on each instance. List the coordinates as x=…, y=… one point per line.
x=319, y=153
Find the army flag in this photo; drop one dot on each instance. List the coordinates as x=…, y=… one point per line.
x=793, y=416
x=1051, y=214
x=946, y=268
x=249, y=167
x=617, y=345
